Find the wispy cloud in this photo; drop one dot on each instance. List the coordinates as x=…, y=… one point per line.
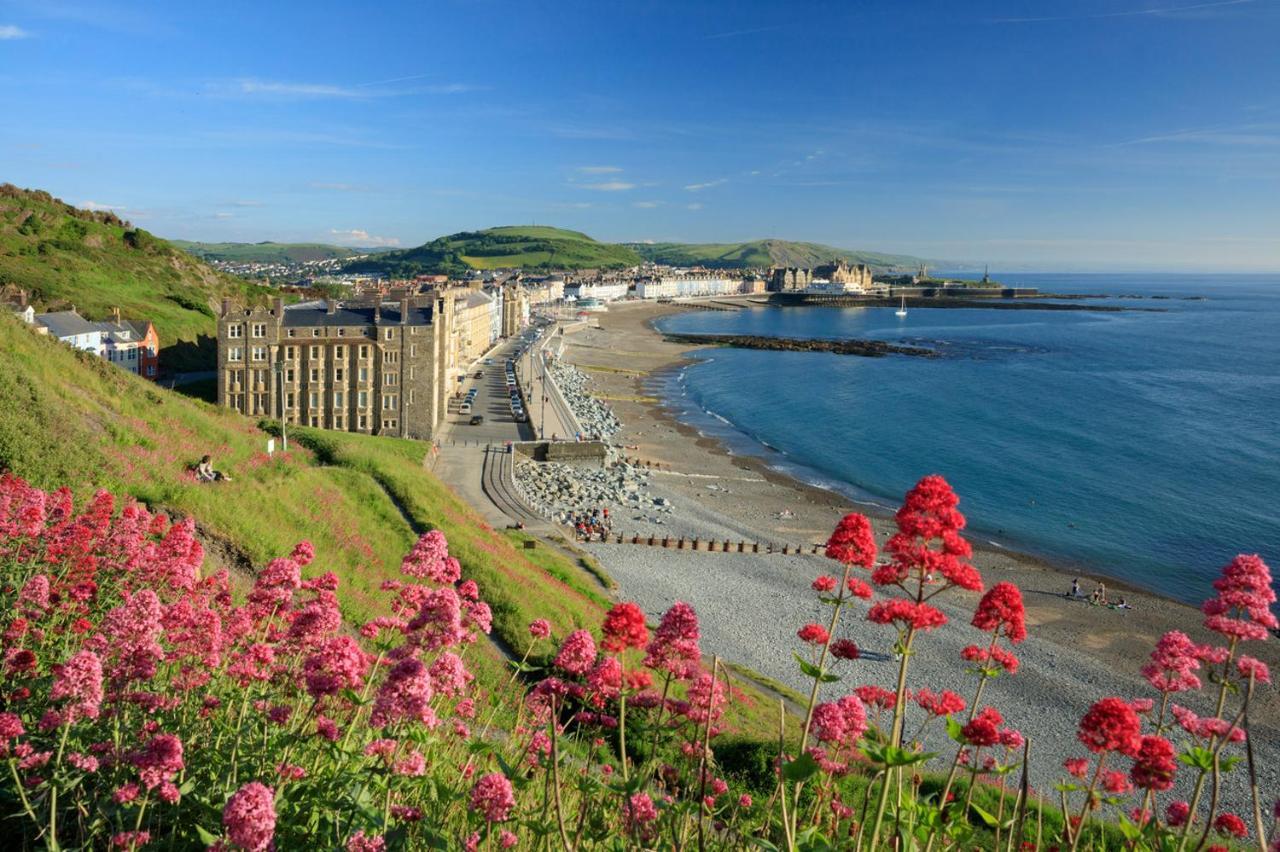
x=1156, y=12
x=646, y=205
x=608, y=186
x=9, y=32
x=300, y=90
x=361, y=237
x=694, y=206
x=599, y=170
x=330, y=186
x=97, y=205
x=1241, y=135
x=286, y=89
x=222, y=214
x=736, y=33
x=698, y=187
x=246, y=203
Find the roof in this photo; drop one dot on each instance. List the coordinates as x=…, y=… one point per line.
x=310, y=314
x=66, y=323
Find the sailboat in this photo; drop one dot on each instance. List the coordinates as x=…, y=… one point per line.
x=902, y=311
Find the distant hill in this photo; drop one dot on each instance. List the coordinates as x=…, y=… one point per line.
x=94, y=260
x=765, y=253
x=529, y=247
x=269, y=252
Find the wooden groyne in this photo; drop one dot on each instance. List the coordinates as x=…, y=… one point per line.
x=864, y=348
x=714, y=545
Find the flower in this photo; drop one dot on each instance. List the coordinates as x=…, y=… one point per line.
x=159, y=760
x=361, y=842
x=540, y=628
x=577, y=652
x=405, y=695
x=1001, y=611
x=828, y=723
x=492, y=797
x=928, y=516
x=984, y=728
x=1154, y=765
x=338, y=664
x=79, y=682
x=624, y=627
x=1250, y=667
x=674, y=647
x=1174, y=662
x=814, y=634
x=429, y=559
x=639, y=813
x=877, y=696
x=825, y=583
x=943, y=704
x=605, y=677
x=1116, y=782
x=705, y=698
x=449, y=675
x=1111, y=725
x=1176, y=814
x=507, y=840
x=853, y=542
x=905, y=613
x=1242, y=608
x=250, y=816
x=744, y=801
x=1229, y=823
x=845, y=649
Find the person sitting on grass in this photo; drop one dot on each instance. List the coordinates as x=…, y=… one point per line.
x=206, y=473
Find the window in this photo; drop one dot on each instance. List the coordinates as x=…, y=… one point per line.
x=413, y=372
x=389, y=357
x=293, y=332
x=342, y=332
x=315, y=421
x=259, y=353
x=364, y=351
x=391, y=379
x=315, y=352
x=337, y=399
x=151, y=369
x=413, y=350
x=364, y=374
x=315, y=400
x=259, y=329
x=288, y=375
x=411, y=395
x=288, y=400
x=290, y=353
x=364, y=422
x=337, y=374
x=389, y=402
x=315, y=374
x=315, y=332
x=235, y=330
x=389, y=424
x=363, y=399
x=386, y=335
x=337, y=422
x=235, y=353
x=340, y=352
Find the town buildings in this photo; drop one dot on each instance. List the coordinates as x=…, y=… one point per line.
x=132, y=345
x=839, y=276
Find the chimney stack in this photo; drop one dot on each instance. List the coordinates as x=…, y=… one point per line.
x=115, y=313
x=277, y=307
x=330, y=306
x=404, y=309
x=377, y=311
x=226, y=307
x=22, y=298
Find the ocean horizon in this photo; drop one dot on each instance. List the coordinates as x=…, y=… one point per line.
x=1140, y=445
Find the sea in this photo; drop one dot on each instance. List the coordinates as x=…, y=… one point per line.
x=1142, y=445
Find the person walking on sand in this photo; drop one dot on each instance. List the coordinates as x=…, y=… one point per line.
x=1075, y=588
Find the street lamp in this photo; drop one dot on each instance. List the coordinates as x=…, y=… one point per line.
x=284, y=417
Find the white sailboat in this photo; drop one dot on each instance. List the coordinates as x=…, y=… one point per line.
x=902, y=311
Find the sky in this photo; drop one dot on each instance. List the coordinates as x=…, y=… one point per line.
x=1074, y=134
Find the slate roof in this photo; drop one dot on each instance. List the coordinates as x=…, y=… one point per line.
x=310, y=314
x=66, y=323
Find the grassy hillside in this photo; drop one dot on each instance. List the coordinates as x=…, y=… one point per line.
x=96, y=261
x=531, y=247
x=765, y=253
x=269, y=252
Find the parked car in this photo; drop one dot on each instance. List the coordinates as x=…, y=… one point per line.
x=477, y=419
x=479, y=374
x=466, y=408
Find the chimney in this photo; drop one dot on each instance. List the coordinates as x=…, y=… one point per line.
x=404, y=309
x=277, y=307
x=226, y=307
x=22, y=298
x=377, y=312
x=115, y=313
x=330, y=306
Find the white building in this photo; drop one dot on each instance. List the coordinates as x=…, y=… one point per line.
x=70, y=327
x=688, y=286
x=604, y=291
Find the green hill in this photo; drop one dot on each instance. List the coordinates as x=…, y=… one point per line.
x=269, y=252
x=765, y=253
x=96, y=261
x=531, y=247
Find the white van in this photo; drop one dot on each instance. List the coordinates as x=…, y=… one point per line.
x=466, y=408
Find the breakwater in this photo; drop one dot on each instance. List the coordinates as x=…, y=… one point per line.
x=864, y=348
x=994, y=302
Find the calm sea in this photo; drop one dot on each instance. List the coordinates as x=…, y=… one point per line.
x=1140, y=445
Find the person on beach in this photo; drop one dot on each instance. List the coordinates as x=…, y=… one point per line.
x=1075, y=588
x=1123, y=604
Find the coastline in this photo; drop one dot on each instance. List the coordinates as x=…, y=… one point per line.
x=1077, y=654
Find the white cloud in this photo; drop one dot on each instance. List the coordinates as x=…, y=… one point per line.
x=647, y=205
x=610, y=186
x=222, y=214
x=698, y=187
x=599, y=170
x=292, y=89
x=359, y=237
x=94, y=205
x=695, y=206
x=303, y=90
x=9, y=31
x=335, y=187
x=246, y=203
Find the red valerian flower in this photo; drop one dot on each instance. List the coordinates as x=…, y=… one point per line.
x=877, y=696
x=492, y=797
x=984, y=729
x=624, y=627
x=1154, y=765
x=1001, y=611
x=945, y=703
x=79, y=681
x=845, y=649
x=1111, y=725
x=814, y=634
x=928, y=515
x=859, y=589
x=905, y=613
x=540, y=628
x=577, y=652
x=1248, y=666
x=853, y=542
x=1174, y=663
x=1242, y=608
x=1115, y=782
x=1176, y=814
x=674, y=647
x=1077, y=766
x=250, y=817
x=1229, y=823
x=825, y=583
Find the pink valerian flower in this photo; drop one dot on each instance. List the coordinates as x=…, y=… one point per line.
x=477, y=617
x=250, y=817
x=853, y=542
x=639, y=814
x=845, y=649
x=946, y=703
x=159, y=760
x=316, y=621
x=1001, y=611
x=404, y=696
x=984, y=729
x=255, y=663
x=1011, y=739
x=577, y=653
x=1205, y=728
x=825, y=584
x=828, y=723
x=814, y=634
x=906, y=614
x=338, y=664
x=1111, y=725
x=705, y=698
x=674, y=647
x=1242, y=609
x=449, y=675
x=83, y=762
x=1116, y=782
x=78, y=681
x=327, y=729
x=33, y=599
x=540, y=628
x=605, y=678
x=129, y=639
x=545, y=694
x=413, y=764
x=130, y=839
x=1176, y=814
x=1249, y=667
x=1232, y=825
x=858, y=588
x=507, y=840
x=430, y=559
x=1174, y=663
x=624, y=627
x=877, y=696
x=468, y=590
x=274, y=587
x=438, y=623
x=1155, y=764
x=303, y=553
x=929, y=516
x=361, y=842
x=493, y=798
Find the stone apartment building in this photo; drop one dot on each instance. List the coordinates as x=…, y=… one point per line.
x=850, y=277
x=377, y=367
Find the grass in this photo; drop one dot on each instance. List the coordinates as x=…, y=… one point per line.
x=62, y=257
x=765, y=253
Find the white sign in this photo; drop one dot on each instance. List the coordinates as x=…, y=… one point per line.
x=271, y=446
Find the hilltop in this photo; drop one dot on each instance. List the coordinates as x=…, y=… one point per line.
x=765, y=253
x=530, y=247
x=270, y=252
x=96, y=261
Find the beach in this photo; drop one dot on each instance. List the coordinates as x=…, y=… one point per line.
x=751, y=605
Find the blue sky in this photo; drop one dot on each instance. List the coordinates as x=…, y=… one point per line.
x=1117, y=134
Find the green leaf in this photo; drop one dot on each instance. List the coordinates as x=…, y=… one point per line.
x=1229, y=763
x=813, y=671
x=205, y=837
x=955, y=730
x=894, y=756
x=801, y=769
x=1199, y=757
x=987, y=817
x=761, y=843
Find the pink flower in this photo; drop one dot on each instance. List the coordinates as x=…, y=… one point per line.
x=507, y=840
x=814, y=634
x=250, y=817
x=674, y=647
x=705, y=698
x=449, y=675
x=303, y=553
x=1229, y=823
x=339, y=664
x=1111, y=725
x=1176, y=814
x=928, y=517
x=1242, y=608
x=404, y=696
x=845, y=649
x=905, y=613
x=361, y=842
x=1174, y=663
x=744, y=801
x=984, y=729
x=540, y=628
x=10, y=726
x=639, y=812
x=492, y=797
x=430, y=559
x=1001, y=611
x=79, y=682
x=159, y=760
x=130, y=839
x=828, y=723
x=624, y=627
x=438, y=623
x=1116, y=782
x=877, y=696
x=853, y=542
x=825, y=584
x=1250, y=667
x=1155, y=764
x=605, y=677
x=577, y=653
x=33, y=599
x=944, y=704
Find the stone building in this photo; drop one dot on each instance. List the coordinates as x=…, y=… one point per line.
x=377, y=367
x=850, y=278
x=515, y=309
x=785, y=279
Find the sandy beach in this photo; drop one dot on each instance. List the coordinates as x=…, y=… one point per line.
x=751, y=605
